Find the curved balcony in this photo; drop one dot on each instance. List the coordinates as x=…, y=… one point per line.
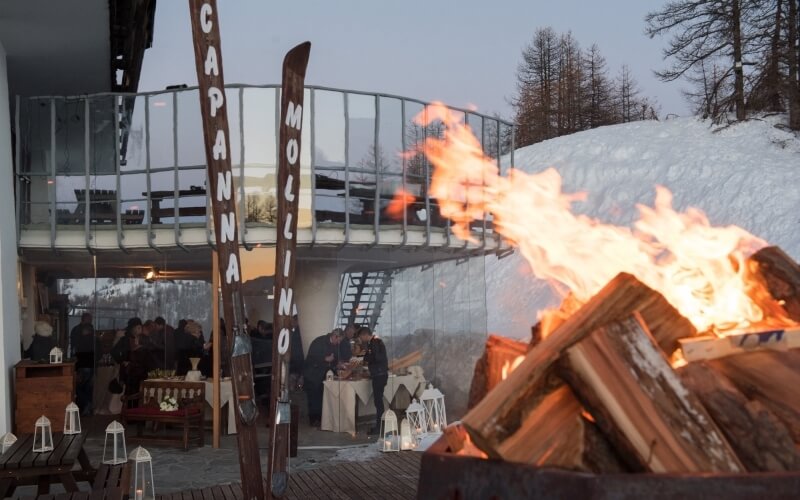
x=127, y=171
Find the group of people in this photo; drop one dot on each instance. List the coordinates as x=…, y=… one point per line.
x=335, y=350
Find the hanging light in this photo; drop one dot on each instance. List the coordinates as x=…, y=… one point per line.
x=7, y=441
x=114, y=453
x=415, y=413
x=43, y=436
x=407, y=441
x=72, y=419
x=389, y=438
x=143, y=486
x=56, y=355
x=433, y=401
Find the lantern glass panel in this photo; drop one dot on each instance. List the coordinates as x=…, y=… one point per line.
x=72, y=419
x=7, y=441
x=433, y=401
x=43, y=436
x=407, y=441
x=114, y=444
x=143, y=486
x=390, y=437
x=415, y=413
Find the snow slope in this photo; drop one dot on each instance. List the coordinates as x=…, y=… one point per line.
x=745, y=174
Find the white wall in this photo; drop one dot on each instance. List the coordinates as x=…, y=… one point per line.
x=316, y=295
x=9, y=302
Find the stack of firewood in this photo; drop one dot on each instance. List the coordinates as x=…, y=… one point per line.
x=598, y=393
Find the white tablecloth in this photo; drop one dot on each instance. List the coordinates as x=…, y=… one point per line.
x=344, y=399
x=225, y=398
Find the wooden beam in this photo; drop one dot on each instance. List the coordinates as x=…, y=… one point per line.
x=782, y=277
x=499, y=352
x=502, y=411
x=760, y=440
x=771, y=377
x=709, y=347
x=624, y=380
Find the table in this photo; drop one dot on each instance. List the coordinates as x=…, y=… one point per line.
x=344, y=399
x=225, y=398
x=20, y=462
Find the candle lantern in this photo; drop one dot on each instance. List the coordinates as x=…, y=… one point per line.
x=407, y=441
x=114, y=444
x=72, y=419
x=56, y=355
x=43, y=436
x=390, y=438
x=143, y=488
x=435, y=417
x=7, y=441
x=415, y=413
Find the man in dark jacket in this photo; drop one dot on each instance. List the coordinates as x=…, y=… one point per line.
x=322, y=356
x=378, y=364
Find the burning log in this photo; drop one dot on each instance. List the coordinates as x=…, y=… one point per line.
x=709, y=347
x=782, y=277
x=500, y=352
x=760, y=440
x=626, y=383
x=772, y=378
x=501, y=413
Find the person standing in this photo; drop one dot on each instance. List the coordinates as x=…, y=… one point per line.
x=83, y=341
x=378, y=364
x=322, y=356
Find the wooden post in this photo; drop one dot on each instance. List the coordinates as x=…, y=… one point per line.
x=217, y=350
x=624, y=380
x=213, y=107
x=288, y=187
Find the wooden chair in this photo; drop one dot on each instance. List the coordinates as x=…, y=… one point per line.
x=189, y=415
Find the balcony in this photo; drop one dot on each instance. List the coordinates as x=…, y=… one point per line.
x=124, y=171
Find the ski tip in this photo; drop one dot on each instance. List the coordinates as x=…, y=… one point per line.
x=297, y=58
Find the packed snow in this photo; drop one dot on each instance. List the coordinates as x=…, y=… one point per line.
x=743, y=174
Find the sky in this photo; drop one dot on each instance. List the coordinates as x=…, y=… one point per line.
x=459, y=52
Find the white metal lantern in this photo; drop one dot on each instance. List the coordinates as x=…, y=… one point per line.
x=7, y=441
x=415, y=413
x=435, y=417
x=390, y=437
x=43, y=436
x=72, y=419
x=407, y=441
x=56, y=355
x=143, y=487
x=114, y=452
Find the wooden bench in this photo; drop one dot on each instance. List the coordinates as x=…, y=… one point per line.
x=189, y=415
x=109, y=477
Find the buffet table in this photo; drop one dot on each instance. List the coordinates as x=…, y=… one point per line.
x=344, y=399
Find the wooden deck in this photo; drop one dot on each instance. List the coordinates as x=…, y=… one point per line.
x=390, y=476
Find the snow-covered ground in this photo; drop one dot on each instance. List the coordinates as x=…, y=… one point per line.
x=744, y=174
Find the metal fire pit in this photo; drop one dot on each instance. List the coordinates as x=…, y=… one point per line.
x=445, y=475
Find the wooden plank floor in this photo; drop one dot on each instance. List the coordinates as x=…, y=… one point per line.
x=392, y=476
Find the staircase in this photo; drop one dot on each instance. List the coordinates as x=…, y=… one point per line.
x=362, y=295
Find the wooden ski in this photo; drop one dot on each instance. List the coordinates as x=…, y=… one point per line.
x=288, y=187
x=208, y=62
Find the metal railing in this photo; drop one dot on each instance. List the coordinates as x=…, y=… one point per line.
x=72, y=168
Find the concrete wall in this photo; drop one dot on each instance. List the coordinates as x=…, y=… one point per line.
x=9, y=302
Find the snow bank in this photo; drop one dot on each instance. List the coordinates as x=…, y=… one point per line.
x=744, y=174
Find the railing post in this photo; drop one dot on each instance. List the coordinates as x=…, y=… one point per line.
x=150, y=234
x=119, y=111
x=87, y=147
x=377, y=156
x=242, y=200
x=51, y=191
x=346, y=170
x=403, y=164
x=176, y=178
x=428, y=214
x=312, y=134
x=18, y=169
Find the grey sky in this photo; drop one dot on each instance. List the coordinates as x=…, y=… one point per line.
x=459, y=52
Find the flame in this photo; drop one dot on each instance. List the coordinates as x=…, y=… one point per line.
x=699, y=268
x=397, y=206
x=510, y=366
